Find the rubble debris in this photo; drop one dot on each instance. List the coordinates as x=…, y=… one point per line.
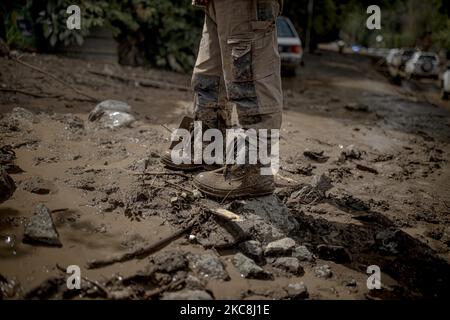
x=270, y=218
x=169, y=261
x=282, y=247
x=348, y=201
x=249, y=269
x=7, y=160
x=194, y=283
x=303, y=254
x=288, y=264
x=366, y=168
x=358, y=107
x=40, y=228
x=297, y=291
x=316, y=156
x=350, y=152
x=252, y=249
x=37, y=185
x=387, y=241
x=7, y=185
x=208, y=266
x=112, y=114
x=323, y=271
x=46, y=289
x=187, y=295
x=313, y=192
x=337, y=254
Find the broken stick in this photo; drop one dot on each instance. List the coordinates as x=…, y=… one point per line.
x=144, y=251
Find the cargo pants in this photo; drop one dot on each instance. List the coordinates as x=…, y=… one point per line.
x=238, y=64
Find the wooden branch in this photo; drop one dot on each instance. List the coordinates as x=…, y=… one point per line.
x=144, y=251
x=144, y=82
x=56, y=79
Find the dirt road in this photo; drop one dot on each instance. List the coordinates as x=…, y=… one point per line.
x=381, y=150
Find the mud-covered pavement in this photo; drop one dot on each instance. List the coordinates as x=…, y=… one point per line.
x=365, y=180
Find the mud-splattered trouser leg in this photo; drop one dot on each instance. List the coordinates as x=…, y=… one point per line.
x=207, y=80
x=250, y=59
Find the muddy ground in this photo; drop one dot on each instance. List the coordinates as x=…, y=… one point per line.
x=371, y=189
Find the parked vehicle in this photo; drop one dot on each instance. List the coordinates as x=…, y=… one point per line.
x=289, y=45
x=423, y=65
x=445, y=83
x=403, y=56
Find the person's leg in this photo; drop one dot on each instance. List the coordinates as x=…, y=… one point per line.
x=208, y=86
x=251, y=68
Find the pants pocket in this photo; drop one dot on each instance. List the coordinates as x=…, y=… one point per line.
x=241, y=55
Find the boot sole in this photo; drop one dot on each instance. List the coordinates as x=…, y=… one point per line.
x=172, y=166
x=230, y=195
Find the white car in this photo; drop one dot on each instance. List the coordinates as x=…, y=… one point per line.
x=446, y=84
x=289, y=45
x=423, y=65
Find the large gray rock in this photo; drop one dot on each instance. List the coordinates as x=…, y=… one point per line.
x=187, y=295
x=269, y=217
x=248, y=268
x=208, y=266
x=169, y=261
x=282, y=247
x=41, y=229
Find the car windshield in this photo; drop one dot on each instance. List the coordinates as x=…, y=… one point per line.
x=283, y=29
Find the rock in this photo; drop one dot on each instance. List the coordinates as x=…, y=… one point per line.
x=7, y=185
x=337, y=254
x=346, y=200
x=208, y=266
x=170, y=261
x=297, y=291
x=7, y=160
x=41, y=229
x=288, y=264
x=248, y=268
x=316, y=155
x=351, y=152
x=282, y=247
x=253, y=250
x=387, y=241
x=36, y=185
x=112, y=114
x=265, y=218
x=323, y=271
x=122, y=294
x=303, y=254
x=187, y=295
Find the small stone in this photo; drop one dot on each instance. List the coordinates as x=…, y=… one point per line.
x=288, y=264
x=351, y=152
x=280, y=247
x=41, y=229
x=173, y=199
x=303, y=254
x=36, y=185
x=187, y=295
x=248, y=268
x=196, y=194
x=170, y=261
x=209, y=266
x=252, y=249
x=333, y=253
x=194, y=283
x=297, y=291
x=323, y=271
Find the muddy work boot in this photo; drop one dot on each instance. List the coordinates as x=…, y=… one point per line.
x=187, y=123
x=235, y=181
